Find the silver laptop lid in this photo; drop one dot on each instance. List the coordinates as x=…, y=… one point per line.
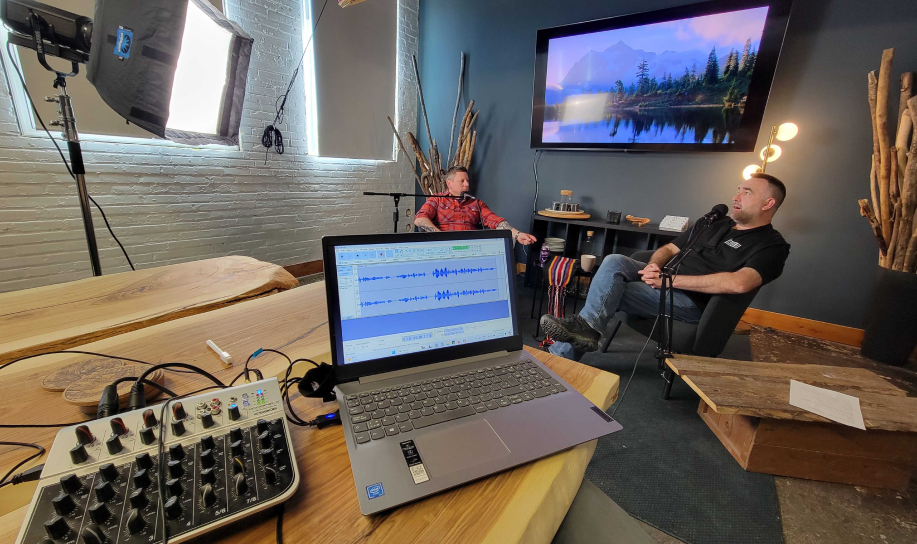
x=403, y=300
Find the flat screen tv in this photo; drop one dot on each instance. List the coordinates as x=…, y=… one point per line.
x=690, y=78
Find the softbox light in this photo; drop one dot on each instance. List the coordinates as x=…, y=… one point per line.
x=151, y=61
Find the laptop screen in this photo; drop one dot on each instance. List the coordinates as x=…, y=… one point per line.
x=413, y=296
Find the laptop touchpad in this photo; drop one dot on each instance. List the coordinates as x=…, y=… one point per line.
x=460, y=447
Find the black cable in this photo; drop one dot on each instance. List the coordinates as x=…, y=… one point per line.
x=632, y=372
x=258, y=352
x=61, y=153
x=280, y=524
x=145, y=382
x=41, y=451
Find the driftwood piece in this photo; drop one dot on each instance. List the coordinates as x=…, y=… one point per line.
x=474, y=137
x=907, y=91
x=458, y=101
x=403, y=150
x=423, y=107
x=910, y=257
x=893, y=191
x=903, y=140
x=874, y=184
x=892, y=245
x=867, y=212
x=884, y=81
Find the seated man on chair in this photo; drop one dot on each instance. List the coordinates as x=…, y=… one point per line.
x=734, y=255
x=467, y=213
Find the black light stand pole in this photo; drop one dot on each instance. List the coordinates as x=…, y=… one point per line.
x=398, y=196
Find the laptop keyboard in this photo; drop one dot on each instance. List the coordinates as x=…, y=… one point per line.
x=393, y=410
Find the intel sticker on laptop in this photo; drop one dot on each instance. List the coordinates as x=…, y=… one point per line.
x=375, y=491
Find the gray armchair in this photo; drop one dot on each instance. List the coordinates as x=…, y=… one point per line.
x=707, y=338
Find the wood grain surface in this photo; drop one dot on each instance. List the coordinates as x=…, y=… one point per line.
x=763, y=390
x=525, y=504
x=69, y=314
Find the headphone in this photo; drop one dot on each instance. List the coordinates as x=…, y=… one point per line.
x=319, y=382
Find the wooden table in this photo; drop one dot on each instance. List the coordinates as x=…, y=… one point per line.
x=747, y=406
x=524, y=504
x=69, y=314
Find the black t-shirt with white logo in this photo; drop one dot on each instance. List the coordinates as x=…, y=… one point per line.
x=722, y=248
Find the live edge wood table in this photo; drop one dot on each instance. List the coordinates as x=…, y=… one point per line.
x=747, y=406
x=525, y=504
x=69, y=314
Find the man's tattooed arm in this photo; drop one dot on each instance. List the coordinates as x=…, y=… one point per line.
x=425, y=225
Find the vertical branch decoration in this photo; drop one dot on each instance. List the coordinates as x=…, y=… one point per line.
x=892, y=211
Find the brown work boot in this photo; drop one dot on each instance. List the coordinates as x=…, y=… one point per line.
x=573, y=330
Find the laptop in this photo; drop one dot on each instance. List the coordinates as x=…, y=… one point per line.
x=433, y=385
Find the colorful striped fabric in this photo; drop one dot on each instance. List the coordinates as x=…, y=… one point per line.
x=560, y=272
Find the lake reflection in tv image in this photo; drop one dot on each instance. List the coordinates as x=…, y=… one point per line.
x=683, y=81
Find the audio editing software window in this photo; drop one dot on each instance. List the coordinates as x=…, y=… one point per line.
x=403, y=298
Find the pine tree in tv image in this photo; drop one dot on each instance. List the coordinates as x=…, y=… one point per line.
x=683, y=81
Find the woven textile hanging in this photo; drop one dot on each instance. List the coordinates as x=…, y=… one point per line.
x=559, y=274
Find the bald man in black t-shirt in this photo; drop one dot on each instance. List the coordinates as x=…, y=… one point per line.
x=733, y=255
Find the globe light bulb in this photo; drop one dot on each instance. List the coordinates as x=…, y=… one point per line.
x=775, y=153
x=749, y=170
x=787, y=131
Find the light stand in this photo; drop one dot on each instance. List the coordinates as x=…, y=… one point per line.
x=398, y=196
x=667, y=275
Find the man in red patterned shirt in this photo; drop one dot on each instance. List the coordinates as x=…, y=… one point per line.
x=461, y=214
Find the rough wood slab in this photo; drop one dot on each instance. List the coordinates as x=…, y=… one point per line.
x=763, y=390
x=69, y=314
x=525, y=504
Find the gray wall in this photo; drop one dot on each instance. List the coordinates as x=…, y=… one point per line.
x=820, y=84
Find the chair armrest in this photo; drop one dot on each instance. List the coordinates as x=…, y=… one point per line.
x=719, y=319
x=642, y=256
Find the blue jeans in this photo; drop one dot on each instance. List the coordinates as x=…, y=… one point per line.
x=617, y=287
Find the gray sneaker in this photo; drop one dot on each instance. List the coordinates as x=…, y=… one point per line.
x=573, y=330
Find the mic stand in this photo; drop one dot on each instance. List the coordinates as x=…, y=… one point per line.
x=667, y=275
x=398, y=196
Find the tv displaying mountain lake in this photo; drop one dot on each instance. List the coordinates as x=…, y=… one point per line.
x=683, y=81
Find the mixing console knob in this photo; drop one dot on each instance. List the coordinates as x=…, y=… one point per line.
x=135, y=522
x=176, y=452
x=276, y=425
x=144, y=461
x=175, y=488
x=84, y=435
x=278, y=442
x=78, y=454
x=208, y=497
x=267, y=456
x=92, y=534
x=270, y=475
x=99, y=513
x=265, y=439
x=63, y=504
x=173, y=508
x=109, y=472
x=235, y=434
x=149, y=418
x=238, y=466
x=56, y=527
x=207, y=421
x=178, y=411
x=234, y=412
x=207, y=442
x=261, y=426
x=240, y=484
x=178, y=428
x=118, y=427
x=142, y=479
x=237, y=448
x=139, y=499
x=207, y=460
x=114, y=444
x=105, y=492
x=71, y=483
x=147, y=436
x=176, y=470
x=208, y=476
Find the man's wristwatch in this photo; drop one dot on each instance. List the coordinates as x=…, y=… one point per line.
x=515, y=236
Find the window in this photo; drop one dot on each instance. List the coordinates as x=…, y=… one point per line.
x=351, y=79
x=93, y=115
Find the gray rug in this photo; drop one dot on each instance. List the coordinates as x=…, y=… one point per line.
x=666, y=468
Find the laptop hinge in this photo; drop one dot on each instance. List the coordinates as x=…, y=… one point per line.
x=428, y=368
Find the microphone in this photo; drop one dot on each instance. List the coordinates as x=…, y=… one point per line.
x=468, y=196
x=718, y=211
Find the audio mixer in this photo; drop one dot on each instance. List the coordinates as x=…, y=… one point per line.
x=227, y=455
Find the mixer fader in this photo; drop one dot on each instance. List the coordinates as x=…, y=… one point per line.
x=227, y=454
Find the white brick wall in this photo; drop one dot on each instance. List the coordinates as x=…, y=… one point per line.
x=173, y=204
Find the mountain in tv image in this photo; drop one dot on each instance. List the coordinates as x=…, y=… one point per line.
x=621, y=93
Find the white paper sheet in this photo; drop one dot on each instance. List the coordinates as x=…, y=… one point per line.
x=826, y=403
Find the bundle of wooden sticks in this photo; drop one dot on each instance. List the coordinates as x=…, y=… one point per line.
x=893, y=178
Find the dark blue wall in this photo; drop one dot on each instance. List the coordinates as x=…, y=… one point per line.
x=820, y=84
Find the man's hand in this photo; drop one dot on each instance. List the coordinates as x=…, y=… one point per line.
x=526, y=239
x=651, y=275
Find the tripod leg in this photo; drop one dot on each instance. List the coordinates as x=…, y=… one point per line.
x=669, y=377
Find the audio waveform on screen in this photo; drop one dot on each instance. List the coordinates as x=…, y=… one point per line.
x=437, y=273
x=440, y=295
